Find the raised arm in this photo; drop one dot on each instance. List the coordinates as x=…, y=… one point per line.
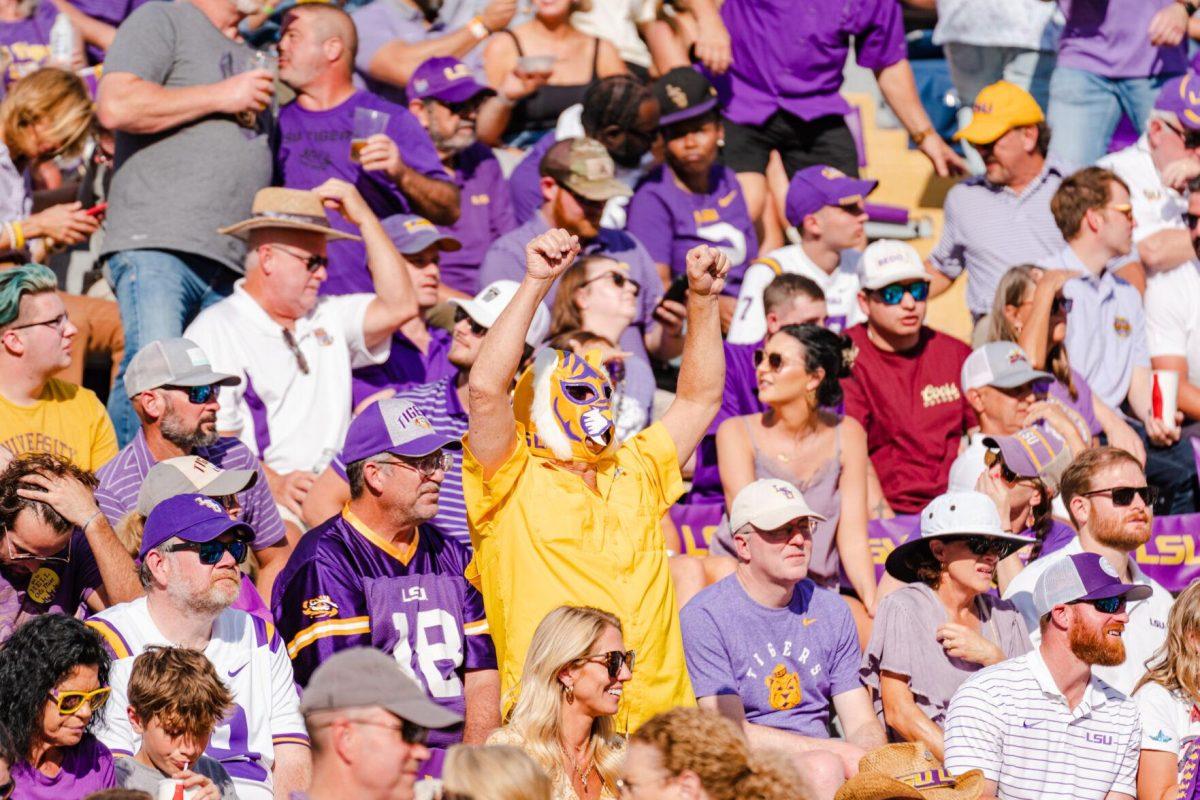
x=702, y=374
x=491, y=426
x=133, y=105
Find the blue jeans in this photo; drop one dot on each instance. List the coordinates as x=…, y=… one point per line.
x=1085, y=109
x=159, y=292
x=1173, y=470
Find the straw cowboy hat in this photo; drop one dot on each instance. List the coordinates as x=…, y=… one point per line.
x=908, y=771
x=294, y=209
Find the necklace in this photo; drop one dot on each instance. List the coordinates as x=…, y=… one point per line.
x=581, y=775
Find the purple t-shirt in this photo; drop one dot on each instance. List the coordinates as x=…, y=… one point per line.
x=315, y=146
x=486, y=214
x=52, y=588
x=740, y=398
x=1081, y=405
x=27, y=41
x=670, y=221
x=110, y=12
x=87, y=767
x=1109, y=38
x=801, y=73
x=786, y=664
x=1059, y=536
x=406, y=365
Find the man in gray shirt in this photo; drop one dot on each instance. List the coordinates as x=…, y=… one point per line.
x=192, y=150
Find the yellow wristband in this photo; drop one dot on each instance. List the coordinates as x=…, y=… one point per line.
x=19, y=234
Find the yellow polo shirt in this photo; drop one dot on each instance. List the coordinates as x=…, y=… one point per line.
x=543, y=539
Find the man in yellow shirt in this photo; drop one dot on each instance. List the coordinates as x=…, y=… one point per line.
x=558, y=512
x=38, y=413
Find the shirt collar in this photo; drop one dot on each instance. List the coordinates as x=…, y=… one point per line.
x=1093, y=697
x=254, y=314
x=402, y=554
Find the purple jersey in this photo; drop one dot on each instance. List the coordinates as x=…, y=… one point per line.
x=486, y=214
x=87, y=767
x=315, y=146
x=52, y=588
x=670, y=221
x=405, y=366
x=346, y=586
x=27, y=41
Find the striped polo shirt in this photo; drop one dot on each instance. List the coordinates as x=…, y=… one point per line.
x=1012, y=722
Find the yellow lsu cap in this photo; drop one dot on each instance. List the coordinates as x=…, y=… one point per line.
x=998, y=109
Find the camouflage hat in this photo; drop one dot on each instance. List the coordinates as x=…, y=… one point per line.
x=585, y=168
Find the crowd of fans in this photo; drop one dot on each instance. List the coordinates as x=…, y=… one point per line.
x=358, y=359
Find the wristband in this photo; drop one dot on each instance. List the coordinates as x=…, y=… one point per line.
x=90, y=519
x=919, y=136
x=19, y=243
x=478, y=29
x=1188, y=6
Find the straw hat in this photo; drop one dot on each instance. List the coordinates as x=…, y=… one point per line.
x=909, y=771
x=294, y=209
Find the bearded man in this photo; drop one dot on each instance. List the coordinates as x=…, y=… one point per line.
x=558, y=512
x=1110, y=504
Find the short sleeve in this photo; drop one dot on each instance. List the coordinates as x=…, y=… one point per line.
x=650, y=222
x=749, y=324
x=895, y=639
x=262, y=513
x=878, y=31
x=1167, y=314
x=947, y=256
x=145, y=44
x=855, y=400
x=656, y=448
x=287, y=724
x=350, y=312
x=973, y=735
x=1159, y=711
x=844, y=660
x=708, y=662
x=480, y=650
x=1126, y=780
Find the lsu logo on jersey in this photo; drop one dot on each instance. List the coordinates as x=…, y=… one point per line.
x=1122, y=327
x=784, y=688
x=319, y=607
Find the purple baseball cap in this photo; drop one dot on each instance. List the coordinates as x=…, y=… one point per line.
x=1082, y=576
x=818, y=186
x=412, y=234
x=446, y=79
x=191, y=517
x=393, y=426
x=1034, y=452
x=1181, y=97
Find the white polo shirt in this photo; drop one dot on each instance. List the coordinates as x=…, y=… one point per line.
x=1170, y=722
x=1172, y=298
x=1012, y=722
x=291, y=419
x=1144, y=633
x=841, y=287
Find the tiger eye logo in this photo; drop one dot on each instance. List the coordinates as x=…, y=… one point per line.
x=783, y=688
x=677, y=96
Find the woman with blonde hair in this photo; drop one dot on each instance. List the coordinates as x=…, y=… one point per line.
x=1168, y=697
x=45, y=115
x=492, y=772
x=687, y=752
x=570, y=690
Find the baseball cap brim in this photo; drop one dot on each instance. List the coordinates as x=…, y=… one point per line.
x=475, y=311
x=1130, y=591
x=425, y=713
x=424, y=445
x=230, y=481
x=774, y=518
x=199, y=533
x=598, y=190
x=907, y=273
x=688, y=113
x=1016, y=457
x=898, y=561
x=206, y=378
x=1020, y=378
x=458, y=93
x=419, y=241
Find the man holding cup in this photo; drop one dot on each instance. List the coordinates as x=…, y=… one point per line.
x=333, y=129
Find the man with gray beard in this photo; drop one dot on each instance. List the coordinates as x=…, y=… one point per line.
x=1110, y=504
x=190, y=553
x=175, y=395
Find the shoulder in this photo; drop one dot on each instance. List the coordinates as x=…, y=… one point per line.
x=651, y=181
x=154, y=14
x=119, y=627
x=710, y=600
x=963, y=190
x=825, y=601
x=450, y=555
x=909, y=598
x=214, y=318
x=1008, y=677
x=950, y=345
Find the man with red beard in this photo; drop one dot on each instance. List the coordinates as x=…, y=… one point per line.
x=1110, y=504
x=1043, y=724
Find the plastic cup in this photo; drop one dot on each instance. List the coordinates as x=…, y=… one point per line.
x=1164, y=396
x=367, y=123
x=172, y=789
x=536, y=65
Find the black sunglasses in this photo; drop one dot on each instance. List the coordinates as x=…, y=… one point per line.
x=463, y=108
x=198, y=395
x=986, y=545
x=893, y=293
x=774, y=360
x=1061, y=305
x=618, y=280
x=211, y=552
x=461, y=314
x=613, y=660
x=312, y=262
x=1105, y=605
x=1123, y=495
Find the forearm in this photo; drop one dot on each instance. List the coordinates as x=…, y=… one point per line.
x=1139, y=393
x=395, y=300
x=93, y=31
x=432, y=198
x=117, y=570
x=868, y=735
x=483, y=705
x=899, y=90
x=1035, y=334
x=762, y=737
x=397, y=60
x=142, y=107
x=292, y=771
x=908, y=720
x=1165, y=250
x=504, y=343
x=702, y=373
x=855, y=553
x=492, y=120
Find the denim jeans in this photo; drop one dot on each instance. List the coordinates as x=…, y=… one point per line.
x=1173, y=470
x=159, y=292
x=1085, y=109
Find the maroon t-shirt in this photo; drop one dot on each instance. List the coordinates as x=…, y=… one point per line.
x=913, y=411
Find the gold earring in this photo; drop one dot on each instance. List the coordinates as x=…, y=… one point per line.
x=569, y=691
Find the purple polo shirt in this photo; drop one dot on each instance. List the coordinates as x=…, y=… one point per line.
x=53, y=588
x=314, y=146
x=27, y=41
x=506, y=259
x=121, y=478
x=406, y=365
x=789, y=54
x=525, y=181
x=669, y=220
x=740, y=398
x=1108, y=38
x=486, y=214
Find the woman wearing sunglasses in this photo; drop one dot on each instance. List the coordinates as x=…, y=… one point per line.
x=1030, y=310
x=802, y=440
x=54, y=674
x=931, y=634
x=570, y=690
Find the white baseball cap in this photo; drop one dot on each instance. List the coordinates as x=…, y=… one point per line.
x=1000, y=364
x=889, y=261
x=768, y=504
x=486, y=306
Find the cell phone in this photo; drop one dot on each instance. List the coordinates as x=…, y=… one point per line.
x=677, y=291
x=97, y=210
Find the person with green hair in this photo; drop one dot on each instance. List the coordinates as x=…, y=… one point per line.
x=40, y=413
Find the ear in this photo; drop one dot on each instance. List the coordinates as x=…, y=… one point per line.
x=976, y=401
x=373, y=477
x=135, y=720
x=772, y=320
x=153, y=404
x=863, y=305
x=418, y=109
x=550, y=189
x=938, y=549
x=1029, y=137
x=815, y=378
x=157, y=564
x=566, y=676
x=689, y=785
x=741, y=546
x=333, y=48
x=266, y=259
x=1080, y=511
x=810, y=226
x=1061, y=616
x=12, y=342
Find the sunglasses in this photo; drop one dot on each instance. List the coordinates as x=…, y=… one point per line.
x=618, y=280
x=613, y=660
x=1105, y=605
x=893, y=293
x=1124, y=209
x=461, y=314
x=1191, y=139
x=774, y=361
x=427, y=465
x=1192, y=219
x=290, y=340
x=1123, y=495
x=1061, y=305
x=198, y=395
x=410, y=732
x=312, y=262
x=69, y=703
x=986, y=546
x=211, y=552
x=463, y=108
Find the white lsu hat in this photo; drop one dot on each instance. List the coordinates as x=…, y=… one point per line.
x=486, y=306
x=768, y=504
x=889, y=261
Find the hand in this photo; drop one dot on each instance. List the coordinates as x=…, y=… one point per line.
x=549, y=255
x=1168, y=26
x=1054, y=279
x=251, y=90
x=946, y=162
x=203, y=786
x=345, y=199
x=1180, y=171
x=66, y=494
x=380, y=154
x=706, y=270
x=1160, y=435
x=497, y=14
x=66, y=223
x=519, y=84
x=991, y=484
x=713, y=47
x=1048, y=412
x=959, y=641
x=291, y=488
x=671, y=314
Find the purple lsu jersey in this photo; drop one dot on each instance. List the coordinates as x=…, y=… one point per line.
x=347, y=586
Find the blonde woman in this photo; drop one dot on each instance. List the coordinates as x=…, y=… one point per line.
x=45, y=114
x=1168, y=697
x=687, y=752
x=492, y=772
x=570, y=688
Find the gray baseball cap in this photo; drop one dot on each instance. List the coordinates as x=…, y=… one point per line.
x=190, y=475
x=172, y=362
x=1000, y=364
x=362, y=677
